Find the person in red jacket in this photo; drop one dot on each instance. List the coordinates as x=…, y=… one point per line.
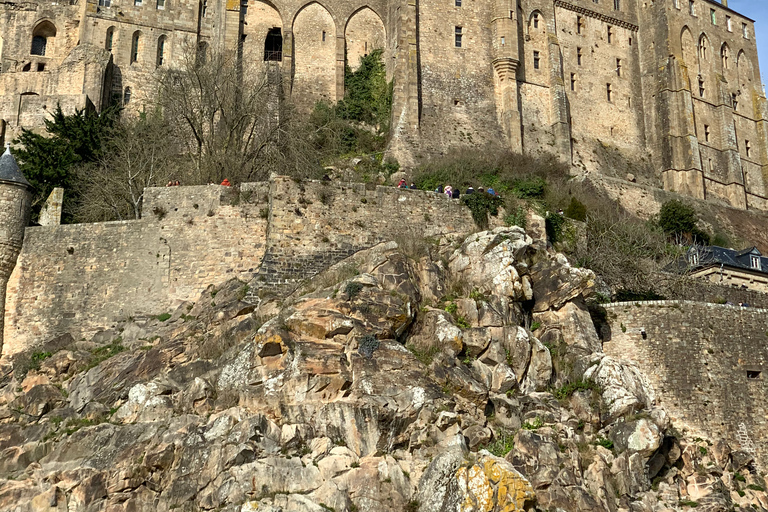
x=226, y=183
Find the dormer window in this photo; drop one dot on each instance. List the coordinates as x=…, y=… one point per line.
x=755, y=262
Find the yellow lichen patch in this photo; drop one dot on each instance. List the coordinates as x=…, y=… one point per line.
x=493, y=486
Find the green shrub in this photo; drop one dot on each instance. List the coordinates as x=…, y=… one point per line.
x=567, y=390
x=481, y=206
x=530, y=188
x=687, y=503
x=755, y=487
x=535, y=425
x=739, y=477
x=679, y=220
x=517, y=217
x=353, y=289
x=502, y=444
x=554, y=225
x=164, y=317
x=605, y=443
x=576, y=210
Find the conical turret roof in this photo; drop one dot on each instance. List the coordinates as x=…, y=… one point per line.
x=9, y=169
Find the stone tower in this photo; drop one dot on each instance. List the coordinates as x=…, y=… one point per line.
x=15, y=207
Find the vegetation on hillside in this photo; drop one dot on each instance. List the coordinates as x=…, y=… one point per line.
x=624, y=250
x=210, y=120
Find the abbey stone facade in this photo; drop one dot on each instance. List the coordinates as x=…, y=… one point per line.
x=670, y=86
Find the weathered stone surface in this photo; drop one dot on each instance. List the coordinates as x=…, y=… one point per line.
x=625, y=389
x=555, y=282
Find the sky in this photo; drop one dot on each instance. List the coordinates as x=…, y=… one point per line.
x=758, y=11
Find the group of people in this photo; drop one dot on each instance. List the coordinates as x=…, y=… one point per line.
x=455, y=193
x=452, y=193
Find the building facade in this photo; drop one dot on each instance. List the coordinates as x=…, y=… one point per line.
x=668, y=90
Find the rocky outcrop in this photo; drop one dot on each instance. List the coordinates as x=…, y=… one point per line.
x=367, y=390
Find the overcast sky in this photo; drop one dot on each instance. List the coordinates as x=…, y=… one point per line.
x=758, y=11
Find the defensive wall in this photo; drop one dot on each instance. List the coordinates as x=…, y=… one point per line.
x=708, y=364
x=82, y=278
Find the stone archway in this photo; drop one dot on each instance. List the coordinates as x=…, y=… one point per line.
x=314, y=35
x=364, y=33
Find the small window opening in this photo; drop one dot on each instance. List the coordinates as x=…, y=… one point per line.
x=713, y=16
x=755, y=262
x=609, y=91
x=676, y=3
x=703, y=48
x=40, y=66
x=27, y=67
x=535, y=60
x=502, y=41
x=137, y=3
x=706, y=133
x=710, y=165
x=160, y=51
x=748, y=148
x=745, y=30
x=610, y=34
x=701, y=87
x=616, y=5
x=126, y=96
x=273, y=45
x=204, y=9
x=457, y=36
x=579, y=24
x=724, y=56
x=691, y=7
x=535, y=20
x=729, y=23
x=109, y=38
x=105, y=3
x=618, y=67
x=630, y=41
x=38, y=45
x=323, y=35
x=135, y=47
x=578, y=56
x=735, y=100
x=161, y=4
x=753, y=374
x=573, y=81
x=694, y=258
x=629, y=101
x=457, y=3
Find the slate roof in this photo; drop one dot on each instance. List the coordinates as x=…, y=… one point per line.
x=9, y=169
x=712, y=255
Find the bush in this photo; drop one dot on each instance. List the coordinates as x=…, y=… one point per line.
x=502, y=444
x=481, y=205
x=554, y=225
x=569, y=389
x=576, y=210
x=353, y=289
x=679, y=220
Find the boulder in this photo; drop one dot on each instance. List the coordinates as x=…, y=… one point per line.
x=625, y=389
x=555, y=282
x=641, y=436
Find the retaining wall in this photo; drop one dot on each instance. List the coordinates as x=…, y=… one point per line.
x=707, y=362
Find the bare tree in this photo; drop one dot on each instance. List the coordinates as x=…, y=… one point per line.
x=229, y=117
x=140, y=154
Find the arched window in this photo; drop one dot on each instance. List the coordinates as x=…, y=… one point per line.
x=703, y=48
x=725, y=54
x=160, y=50
x=110, y=37
x=43, y=31
x=273, y=45
x=127, y=96
x=135, y=46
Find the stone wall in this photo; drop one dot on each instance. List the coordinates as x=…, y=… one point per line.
x=84, y=277
x=708, y=363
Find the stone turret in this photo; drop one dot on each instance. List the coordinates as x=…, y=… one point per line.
x=15, y=208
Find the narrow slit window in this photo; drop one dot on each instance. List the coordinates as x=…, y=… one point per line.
x=701, y=87
x=205, y=8
x=573, y=81
x=323, y=36
x=692, y=7
x=729, y=23
x=616, y=5
x=536, y=60
x=535, y=20
x=608, y=92
x=578, y=56
x=457, y=36
x=747, y=148
x=109, y=38
x=610, y=34
x=618, y=67
x=735, y=100
x=502, y=41
x=579, y=24
x=135, y=47
x=713, y=16
x=745, y=30
x=706, y=133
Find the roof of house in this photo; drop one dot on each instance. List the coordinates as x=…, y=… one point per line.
x=9, y=169
x=701, y=257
